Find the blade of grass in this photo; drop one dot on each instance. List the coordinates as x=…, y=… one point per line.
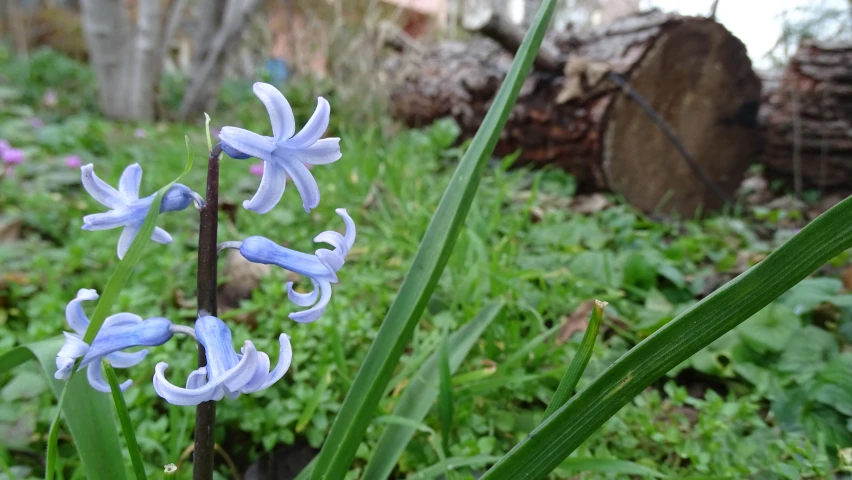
x=607, y=465
x=360, y=403
x=313, y=402
x=578, y=364
x=421, y=392
x=126, y=423
x=95, y=434
x=545, y=447
x=445, y=395
x=110, y=294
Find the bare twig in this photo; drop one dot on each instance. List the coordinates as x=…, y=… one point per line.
x=509, y=36
x=669, y=133
x=713, y=8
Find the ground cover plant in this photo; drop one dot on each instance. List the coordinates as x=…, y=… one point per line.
x=769, y=399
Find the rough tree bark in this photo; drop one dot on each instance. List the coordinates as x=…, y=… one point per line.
x=691, y=71
x=807, y=117
x=128, y=56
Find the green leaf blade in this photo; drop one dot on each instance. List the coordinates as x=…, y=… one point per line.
x=126, y=423
x=578, y=364
x=359, y=405
x=95, y=434
x=552, y=441
x=421, y=392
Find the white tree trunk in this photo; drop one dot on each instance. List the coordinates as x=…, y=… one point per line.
x=106, y=25
x=142, y=68
x=128, y=59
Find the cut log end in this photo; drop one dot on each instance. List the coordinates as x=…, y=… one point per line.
x=699, y=79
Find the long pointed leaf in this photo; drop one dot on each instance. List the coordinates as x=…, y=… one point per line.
x=87, y=412
x=421, y=393
x=552, y=441
x=359, y=407
x=578, y=364
x=126, y=423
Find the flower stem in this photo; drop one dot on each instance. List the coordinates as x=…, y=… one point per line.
x=205, y=413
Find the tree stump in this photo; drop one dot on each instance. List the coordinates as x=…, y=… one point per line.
x=807, y=116
x=691, y=71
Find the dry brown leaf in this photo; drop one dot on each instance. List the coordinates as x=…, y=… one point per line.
x=589, y=204
x=576, y=322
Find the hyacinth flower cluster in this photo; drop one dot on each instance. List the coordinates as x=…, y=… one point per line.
x=124, y=339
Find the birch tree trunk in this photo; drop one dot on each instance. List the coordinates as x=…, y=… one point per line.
x=128, y=57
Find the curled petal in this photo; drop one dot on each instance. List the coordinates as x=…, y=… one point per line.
x=271, y=189
x=126, y=359
x=128, y=183
x=74, y=346
x=96, y=379
x=304, y=182
x=247, y=142
x=235, y=381
x=333, y=261
x=63, y=368
x=185, y=396
x=303, y=299
x=280, y=113
x=161, y=236
x=350, y=227
x=334, y=239
x=261, y=371
x=285, y=357
x=126, y=239
x=74, y=314
x=323, y=152
x=314, y=129
x=98, y=189
x=197, y=378
x=313, y=313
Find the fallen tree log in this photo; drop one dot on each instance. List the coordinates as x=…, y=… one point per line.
x=807, y=117
x=692, y=72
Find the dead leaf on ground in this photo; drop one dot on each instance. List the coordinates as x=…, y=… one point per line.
x=576, y=322
x=10, y=230
x=588, y=204
x=846, y=276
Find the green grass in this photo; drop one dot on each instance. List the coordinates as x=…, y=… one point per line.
x=749, y=404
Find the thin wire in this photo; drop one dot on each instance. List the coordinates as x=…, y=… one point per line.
x=667, y=131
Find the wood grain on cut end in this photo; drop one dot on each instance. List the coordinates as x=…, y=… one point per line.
x=698, y=78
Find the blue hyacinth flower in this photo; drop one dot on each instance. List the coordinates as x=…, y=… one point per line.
x=321, y=267
x=127, y=209
x=118, y=332
x=284, y=153
x=227, y=373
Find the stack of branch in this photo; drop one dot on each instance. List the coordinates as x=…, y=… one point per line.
x=688, y=74
x=807, y=116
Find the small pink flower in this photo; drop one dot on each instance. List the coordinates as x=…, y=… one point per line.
x=140, y=133
x=73, y=161
x=51, y=98
x=256, y=169
x=13, y=156
x=36, y=122
x=4, y=145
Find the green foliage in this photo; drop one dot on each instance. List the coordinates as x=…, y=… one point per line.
x=778, y=412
